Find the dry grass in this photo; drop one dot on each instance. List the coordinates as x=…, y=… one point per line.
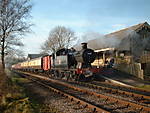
x=12, y=98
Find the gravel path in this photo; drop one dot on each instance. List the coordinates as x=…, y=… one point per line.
x=52, y=102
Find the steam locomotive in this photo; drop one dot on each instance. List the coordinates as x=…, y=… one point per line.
x=66, y=63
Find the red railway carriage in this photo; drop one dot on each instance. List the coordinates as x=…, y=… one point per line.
x=46, y=65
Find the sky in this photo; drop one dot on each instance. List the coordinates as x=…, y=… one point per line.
x=83, y=16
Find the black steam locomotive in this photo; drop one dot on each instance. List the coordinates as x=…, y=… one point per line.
x=74, y=64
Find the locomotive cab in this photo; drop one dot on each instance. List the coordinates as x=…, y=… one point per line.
x=65, y=59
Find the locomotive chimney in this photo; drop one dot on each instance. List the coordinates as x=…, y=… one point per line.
x=84, y=45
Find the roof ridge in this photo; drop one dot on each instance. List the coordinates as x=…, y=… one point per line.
x=131, y=27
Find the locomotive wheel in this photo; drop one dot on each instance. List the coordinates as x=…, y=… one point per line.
x=62, y=75
x=56, y=74
x=67, y=76
x=72, y=76
x=81, y=77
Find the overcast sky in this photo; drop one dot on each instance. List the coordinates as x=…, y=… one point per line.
x=82, y=16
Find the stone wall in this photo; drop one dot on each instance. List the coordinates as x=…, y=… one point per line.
x=126, y=66
x=135, y=69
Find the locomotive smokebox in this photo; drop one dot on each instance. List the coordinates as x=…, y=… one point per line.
x=84, y=45
x=85, y=55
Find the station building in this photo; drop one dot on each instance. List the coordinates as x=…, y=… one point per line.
x=129, y=47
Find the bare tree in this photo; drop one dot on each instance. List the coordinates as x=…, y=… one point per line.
x=13, y=24
x=59, y=37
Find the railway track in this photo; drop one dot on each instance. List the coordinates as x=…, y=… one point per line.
x=98, y=102
x=123, y=88
x=124, y=95
x=60, y=90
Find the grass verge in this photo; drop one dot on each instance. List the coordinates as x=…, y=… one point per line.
x=17, y=99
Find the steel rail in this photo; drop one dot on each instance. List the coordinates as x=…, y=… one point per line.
x=139, y=96
x=121, y=86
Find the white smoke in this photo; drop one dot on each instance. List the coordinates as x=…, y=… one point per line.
x=97, y=41
x=85, y=38
x=88, y=36
x=127, y=40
